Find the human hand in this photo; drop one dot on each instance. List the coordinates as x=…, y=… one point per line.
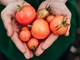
x=58, y=7
x=12, y=27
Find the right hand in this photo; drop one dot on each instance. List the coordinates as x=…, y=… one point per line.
x=12, y=28
x=58, y=7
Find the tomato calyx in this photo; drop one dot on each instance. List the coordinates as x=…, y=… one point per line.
x=20, y=7
x=33, y=48
x=63, y=24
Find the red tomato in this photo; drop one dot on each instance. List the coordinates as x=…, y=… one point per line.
x=32, y=44
x=58, y=25
x=24, y=34
x=26, y=15
x=40, y=29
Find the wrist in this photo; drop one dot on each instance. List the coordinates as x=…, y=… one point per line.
x=64, y=1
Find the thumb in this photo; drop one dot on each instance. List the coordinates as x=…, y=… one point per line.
x=7, y=23
x=68, y=15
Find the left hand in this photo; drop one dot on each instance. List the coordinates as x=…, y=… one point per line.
x=57, y=8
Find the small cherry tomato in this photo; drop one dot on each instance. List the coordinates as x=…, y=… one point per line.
x=32, y=44
x=24, y=34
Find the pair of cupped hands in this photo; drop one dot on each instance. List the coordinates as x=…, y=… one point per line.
x=58, y=7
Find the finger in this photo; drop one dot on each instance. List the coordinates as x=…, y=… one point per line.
x=49, y=41
x=18, y=42
x=44, y=45
x=39, y=50
x=31, y=54
x=68, y=15
x=28, y=54
x=7, y=23
x=43, y=5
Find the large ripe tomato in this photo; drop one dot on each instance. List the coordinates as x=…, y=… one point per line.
x=24, y=34
x=58, y=25
x=40, y=29
x=32, y=44
x=26, y=15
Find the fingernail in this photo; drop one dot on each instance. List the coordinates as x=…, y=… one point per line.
x=9, y=33
x=23, y=51
x=27, y=57
x=67, y=34
x=32, y=56
x=39, y=53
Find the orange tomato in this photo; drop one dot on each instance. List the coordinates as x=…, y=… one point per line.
x=40, y=29
x=32, y=44
x=58, y=25
x=24, y=34
x=49, y=18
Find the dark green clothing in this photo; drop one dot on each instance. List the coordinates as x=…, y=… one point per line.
x=53, y=52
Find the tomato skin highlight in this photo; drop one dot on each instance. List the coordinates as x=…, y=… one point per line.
x=24, y=34
x=40, y=29
x=57, y=21
x=26, y=15
x=32, y=44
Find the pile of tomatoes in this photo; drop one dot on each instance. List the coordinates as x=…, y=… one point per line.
x=37, y=26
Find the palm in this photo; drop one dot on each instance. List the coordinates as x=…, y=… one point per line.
x=12, y=28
